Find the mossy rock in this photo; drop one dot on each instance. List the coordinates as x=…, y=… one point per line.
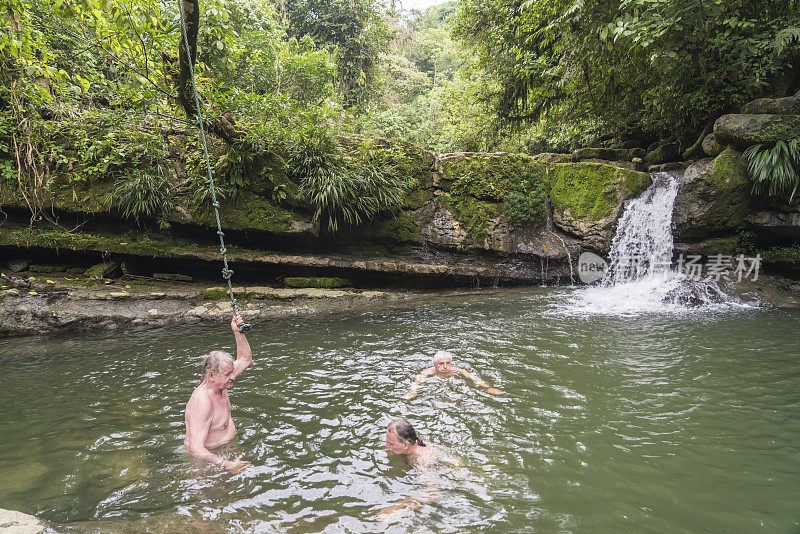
x=46, y=269
x=593, y=190
x=745, y=130
x=400, y=229
x=550, y=157
x=102, y=270
x=216, y=293
x=415, y=198
x=252, y=212
x=490, y=177
x=662, y=154
x=714, y=197
x=711, y=147
x=473, y=215
x=414, y=163
x=317, y=282
x=608, y=154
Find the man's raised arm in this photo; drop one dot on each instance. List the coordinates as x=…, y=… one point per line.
x=244, y=356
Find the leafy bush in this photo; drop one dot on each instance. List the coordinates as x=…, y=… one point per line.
x=143, y=195
x=528, y=206
x=775, y=169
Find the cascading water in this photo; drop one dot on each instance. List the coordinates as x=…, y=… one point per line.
x=640, y=277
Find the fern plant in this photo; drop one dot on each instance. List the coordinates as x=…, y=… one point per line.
x=775, y=169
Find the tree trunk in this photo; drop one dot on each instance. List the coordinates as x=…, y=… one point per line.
x=191, y=19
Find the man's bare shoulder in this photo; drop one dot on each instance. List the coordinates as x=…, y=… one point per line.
x=199, y=402
x=430, y=371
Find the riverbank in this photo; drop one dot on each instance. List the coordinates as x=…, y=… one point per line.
x=60, y=303
x=56, y=303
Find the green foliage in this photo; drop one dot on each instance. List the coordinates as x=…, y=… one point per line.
x=352, y=30
x=640, y=67
x=528, y=206
x=345, y=188
x=775, y=169
x=143, y=195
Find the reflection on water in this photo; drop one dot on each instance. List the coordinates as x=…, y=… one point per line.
x=650, y=423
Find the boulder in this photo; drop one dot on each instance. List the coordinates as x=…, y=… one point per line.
x=748, y=130
x=713, y=197
x=789, y=105
x=18, y=265
x=587, y=199
x=609, y=154
x=662, y=154
x=711, y=147
x=665, y=167
x=13, y=522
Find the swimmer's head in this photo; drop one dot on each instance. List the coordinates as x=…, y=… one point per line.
x=217, y=368
x=401, y=437
x=442, y=361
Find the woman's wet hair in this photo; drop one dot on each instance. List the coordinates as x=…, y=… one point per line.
x=214, y=362
x=405, y=431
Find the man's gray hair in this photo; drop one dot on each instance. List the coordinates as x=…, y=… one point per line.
x=214, y=362
x=441, y=355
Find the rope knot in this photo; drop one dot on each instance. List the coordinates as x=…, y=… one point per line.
x=227, y=273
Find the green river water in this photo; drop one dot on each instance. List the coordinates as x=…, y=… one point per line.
x=683, y=421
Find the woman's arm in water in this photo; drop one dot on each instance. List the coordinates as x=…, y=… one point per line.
x=412, y=391
x=478, y=381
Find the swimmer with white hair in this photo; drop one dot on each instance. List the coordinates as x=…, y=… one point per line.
x=443, y=368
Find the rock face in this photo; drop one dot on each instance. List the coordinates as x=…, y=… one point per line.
x=587, y=199
x=713, y=197
x=13, y=522
x=744, y=130
x=777, y=219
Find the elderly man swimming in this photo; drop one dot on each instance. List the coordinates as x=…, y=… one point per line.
x=443, y=368
x=208, y=412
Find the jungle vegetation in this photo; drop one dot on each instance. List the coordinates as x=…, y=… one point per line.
x=295, y=77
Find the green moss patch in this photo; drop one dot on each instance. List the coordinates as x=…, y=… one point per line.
x=491, y=177
x=317, y=282
x=593, y=189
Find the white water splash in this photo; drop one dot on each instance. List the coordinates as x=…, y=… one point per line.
x=640, y=278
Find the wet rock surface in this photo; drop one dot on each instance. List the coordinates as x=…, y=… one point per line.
x=13, y=522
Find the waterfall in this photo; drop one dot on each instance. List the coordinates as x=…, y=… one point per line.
x=643, y=244
x=640, y=277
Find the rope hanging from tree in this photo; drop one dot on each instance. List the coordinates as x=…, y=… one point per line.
x=227, y=273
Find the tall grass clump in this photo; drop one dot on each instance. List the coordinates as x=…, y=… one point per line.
x=143, y=195
x=345, y=188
